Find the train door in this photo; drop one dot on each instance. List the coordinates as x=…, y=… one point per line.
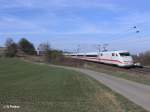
x=114, y=58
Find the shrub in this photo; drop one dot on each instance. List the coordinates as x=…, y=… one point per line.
x=55, y=55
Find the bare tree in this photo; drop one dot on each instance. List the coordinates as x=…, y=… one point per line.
x=43, y=48
x=11, y=48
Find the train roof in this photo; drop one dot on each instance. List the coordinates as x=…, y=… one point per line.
x=119, y=51
x=96, y=53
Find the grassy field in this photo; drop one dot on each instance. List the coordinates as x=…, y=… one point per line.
x=40, y=88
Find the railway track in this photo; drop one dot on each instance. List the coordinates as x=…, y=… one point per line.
x=97, y=65
x=144, y=70
x=135, y=70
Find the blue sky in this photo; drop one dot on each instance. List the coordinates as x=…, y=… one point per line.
x=65, y=24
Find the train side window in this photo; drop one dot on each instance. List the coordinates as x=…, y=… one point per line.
x=91, y=55
x=116, y=54
x=101, y=54
x=113, y=54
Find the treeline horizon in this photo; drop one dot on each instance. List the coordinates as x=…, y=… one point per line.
x=26, y=47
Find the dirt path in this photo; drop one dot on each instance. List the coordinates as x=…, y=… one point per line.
x=136, y=92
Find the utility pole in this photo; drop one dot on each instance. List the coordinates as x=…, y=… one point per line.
x=104, y=47
x=78, y=48
x=99, y=48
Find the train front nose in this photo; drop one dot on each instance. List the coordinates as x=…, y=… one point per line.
x=128, y=60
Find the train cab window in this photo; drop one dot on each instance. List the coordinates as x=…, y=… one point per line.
x=113, y=54
x=125, y=54
x=91, y=55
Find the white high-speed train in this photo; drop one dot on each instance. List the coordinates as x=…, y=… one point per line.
x=120, y=58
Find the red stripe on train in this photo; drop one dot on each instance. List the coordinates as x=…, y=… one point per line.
x=99, y=59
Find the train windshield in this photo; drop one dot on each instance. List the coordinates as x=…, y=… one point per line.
x=125, y=54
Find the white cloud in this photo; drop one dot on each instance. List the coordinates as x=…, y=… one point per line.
x=13, y=25
x=58, y=4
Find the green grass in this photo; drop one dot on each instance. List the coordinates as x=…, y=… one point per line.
x=40, y=88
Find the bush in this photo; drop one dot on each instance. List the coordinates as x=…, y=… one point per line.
x=55, y=55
